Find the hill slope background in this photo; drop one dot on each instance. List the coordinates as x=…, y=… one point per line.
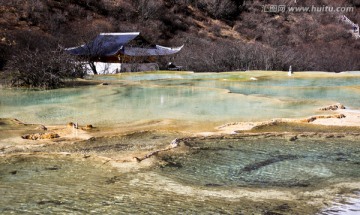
x=219, y=35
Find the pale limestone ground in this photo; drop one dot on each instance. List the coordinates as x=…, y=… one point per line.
x=69, y=134
x=352, y=119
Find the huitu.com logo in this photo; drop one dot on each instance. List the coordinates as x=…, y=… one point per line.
x=309, y=9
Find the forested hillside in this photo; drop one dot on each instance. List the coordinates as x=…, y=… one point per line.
x=219, y=35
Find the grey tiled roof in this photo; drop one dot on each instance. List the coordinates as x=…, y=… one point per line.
x=157, y=50
x=105, y=44
x=108, y=44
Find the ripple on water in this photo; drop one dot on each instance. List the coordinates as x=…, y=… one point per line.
x=344, y=206
x=265, y=162
x=65, y=184
x=53, y=184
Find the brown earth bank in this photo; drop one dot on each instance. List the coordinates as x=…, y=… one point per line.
x=238, y=35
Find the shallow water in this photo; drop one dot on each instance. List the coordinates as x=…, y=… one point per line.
x=116, y=104
x=208, y=179
x=183, y=96
x=58, y=184
x=51, y=185
x=266, y=162
x=345, y=205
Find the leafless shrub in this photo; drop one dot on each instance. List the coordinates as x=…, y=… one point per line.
x=124, y=11
x=76, y=11
x=172, y=25
x=4, y=55
x=148, y=9
x=356, y=3
x=36, y=62
x=41, y=69
x=218, y=8
x=335, y=32
x=216, y=30
x=97, y=6
x=205, y=56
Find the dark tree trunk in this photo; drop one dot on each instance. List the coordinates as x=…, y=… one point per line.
x=93, y=67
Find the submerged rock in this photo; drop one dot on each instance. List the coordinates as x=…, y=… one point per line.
x=112, y=180
x=257, y=165
x=53, y=202
x=271, y=213
x=52, y=168
x=329, y=136
x=283, y=207
x=293, y=138
x=13, y=172
x=213, y=185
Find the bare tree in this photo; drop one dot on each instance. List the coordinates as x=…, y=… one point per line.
x=4, y=54
x=94, y=45
x=218, y=8
x=148, y=9
x=94, y=53
x=37, y=61
x=41, y=69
